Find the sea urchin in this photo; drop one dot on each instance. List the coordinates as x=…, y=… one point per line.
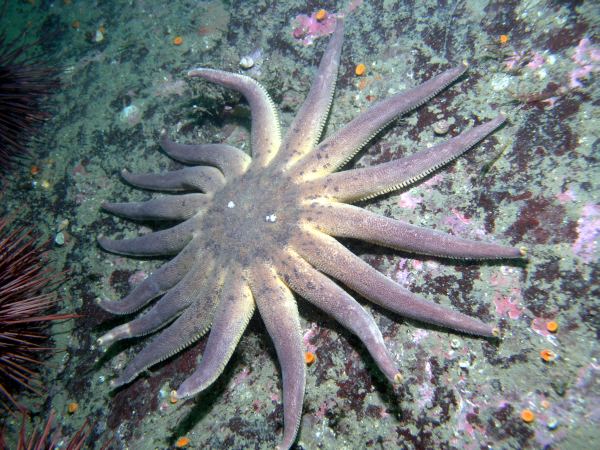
x=25, y=298
x=23, y=85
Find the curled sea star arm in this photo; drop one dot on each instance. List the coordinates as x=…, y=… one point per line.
x=172, y=207
x=164, y=242
x=198, y=178
x=157, y=283
x=326, y=295
x=164, y=310
x=349, y=221
x=338, y=148
x=232, y=315
x=332, y=258
x=358, y=184
x=279, y=313
x=266, y=132
x=228, y=159
x=190, y=326
x=308, y=124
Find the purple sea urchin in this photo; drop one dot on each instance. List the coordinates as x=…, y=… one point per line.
x=23, y=85
x=51, y=436
x=25, y=299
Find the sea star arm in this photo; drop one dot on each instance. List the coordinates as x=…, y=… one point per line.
x=332, y=258
x=232, y=315
x=266, y=132
x=349, y=221
x=159, y=282
x=190, y=326
x=229, y=160
x=200, y=178
x=310, y=120
x=279, y=313
x=164, y=310
x=337, y=303
x=164, y=242
x=337, y=149
x=359, y=184
x=172, y=207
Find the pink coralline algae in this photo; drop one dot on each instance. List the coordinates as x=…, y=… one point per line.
x=512, y=62
x=408, y=201
x=567, y=196
x=506, y=305
x=460, y=224
x=309, y=28
x=587, y=58
x=537, y=61
x=588, y=231
x=136, y=278
x=308, y=336
x=457, y=221
x=533, y=60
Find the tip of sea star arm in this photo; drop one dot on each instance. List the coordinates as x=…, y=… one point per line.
x=376, y=287
x=497, y=251
x=184, y=391
x=197, y=71
x=232, y=315
x=119, y=381
x=113, y=335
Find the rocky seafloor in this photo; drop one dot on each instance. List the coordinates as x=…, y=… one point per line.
x=534, y=183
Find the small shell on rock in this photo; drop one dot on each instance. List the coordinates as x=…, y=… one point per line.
x=247, y=62
x=98, y=36
x=59, y=239
x=441, y=127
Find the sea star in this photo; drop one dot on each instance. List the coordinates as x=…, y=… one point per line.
x=257, y=229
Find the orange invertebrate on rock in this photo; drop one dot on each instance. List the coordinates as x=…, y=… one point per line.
x=545, y=404
x=177, y=40
x=309, y=358
x=552, y=326
x=321, y=15
x=360, y=70
x=72, y=407
x=527, y=416
x=182, y=442
x=547, y=355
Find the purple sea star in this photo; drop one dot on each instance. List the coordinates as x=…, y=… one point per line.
x=257, y=229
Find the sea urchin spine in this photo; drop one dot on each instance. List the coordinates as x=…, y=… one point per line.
x=23, y=85
x=26, y=297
